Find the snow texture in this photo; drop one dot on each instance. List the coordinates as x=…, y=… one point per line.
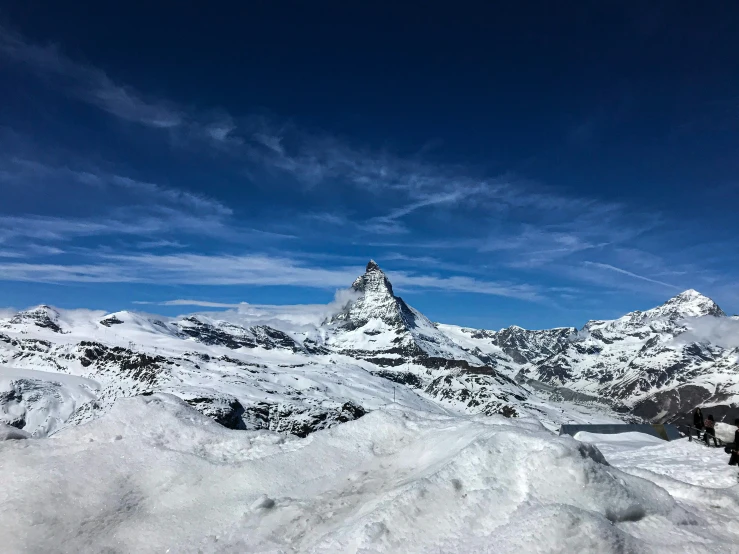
x=322, y=367
x=661, y=363
x=154, y=475
x=297, y=370
x=361, y=426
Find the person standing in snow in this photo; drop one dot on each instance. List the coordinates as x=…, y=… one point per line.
x=698, y=419
x=734, y=448
x=710, y=430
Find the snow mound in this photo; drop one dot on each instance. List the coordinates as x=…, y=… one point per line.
x=159, y=476
x=8, y=433
x=40, y=402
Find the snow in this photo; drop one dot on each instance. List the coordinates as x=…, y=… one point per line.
x=42, y=400
x=154, y=475
x=624, y=440
x=320, y=357
x=417, y=468
x=55, y=381
x=11, y=433
x=725, y=431
x=647, y=359
x=697, y=477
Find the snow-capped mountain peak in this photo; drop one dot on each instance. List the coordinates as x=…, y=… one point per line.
x=374, y=281
x=689, y=303
x=379, y=323
x=376, y=301
x=665, y=317
x=41, y=316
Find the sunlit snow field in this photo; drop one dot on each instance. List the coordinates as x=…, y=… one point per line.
x=154, y=475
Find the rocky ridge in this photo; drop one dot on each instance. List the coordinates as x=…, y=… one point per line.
x=376, y=349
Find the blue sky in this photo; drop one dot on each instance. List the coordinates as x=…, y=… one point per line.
x=521, y=165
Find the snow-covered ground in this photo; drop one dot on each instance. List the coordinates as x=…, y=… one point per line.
x=41, y=402
x=62, y=367
x=130, y=432
x=698, y=477
x=155, y=475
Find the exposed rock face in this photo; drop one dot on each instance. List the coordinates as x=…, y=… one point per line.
x=377, y=302
x=110, y=320
x=299, y=419
x=525, y=346
x=42, y=316
x=407, y=378
x=382, y=328
x=227, y=411
x=262, y=377
x=234, y=337
x=481, y=390
x=136, y=367
x=641, y=360
x=513, y=346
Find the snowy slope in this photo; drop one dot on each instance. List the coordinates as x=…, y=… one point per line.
x=161, y=477
x=372, y=350
x=512, y=347
x=41, y=403
x=651, y=360
x=380, y=326
x=243, y=378
x=297, y=375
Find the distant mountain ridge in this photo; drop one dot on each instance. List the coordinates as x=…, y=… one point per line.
x=641, y=360
x=59, y=368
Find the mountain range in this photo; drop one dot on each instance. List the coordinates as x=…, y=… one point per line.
x=64, y=367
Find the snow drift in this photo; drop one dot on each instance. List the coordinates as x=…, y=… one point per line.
x=155, y=475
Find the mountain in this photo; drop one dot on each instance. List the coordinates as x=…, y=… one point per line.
x=510, y=347
x=406, y=347
x=257, y=377
x=379, y=326
x=64, y=367
x=651, y=361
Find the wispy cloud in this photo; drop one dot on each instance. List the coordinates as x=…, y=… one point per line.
x=609, y=267
x=95, y=87
x=152, y=244
x=120, y=206
x=255, y=270
x=87, y=82
x=182, y=302
x=311, y=158
x=501, y=219
x=457, y=283
x=21, y=171
x=388, y=224
x=722, y=332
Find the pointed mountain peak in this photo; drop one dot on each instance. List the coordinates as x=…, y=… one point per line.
x=372, y=266
x=373, y=281
x=689, y=294
x=376, y=300
x=41, y=308
x=689, y=303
